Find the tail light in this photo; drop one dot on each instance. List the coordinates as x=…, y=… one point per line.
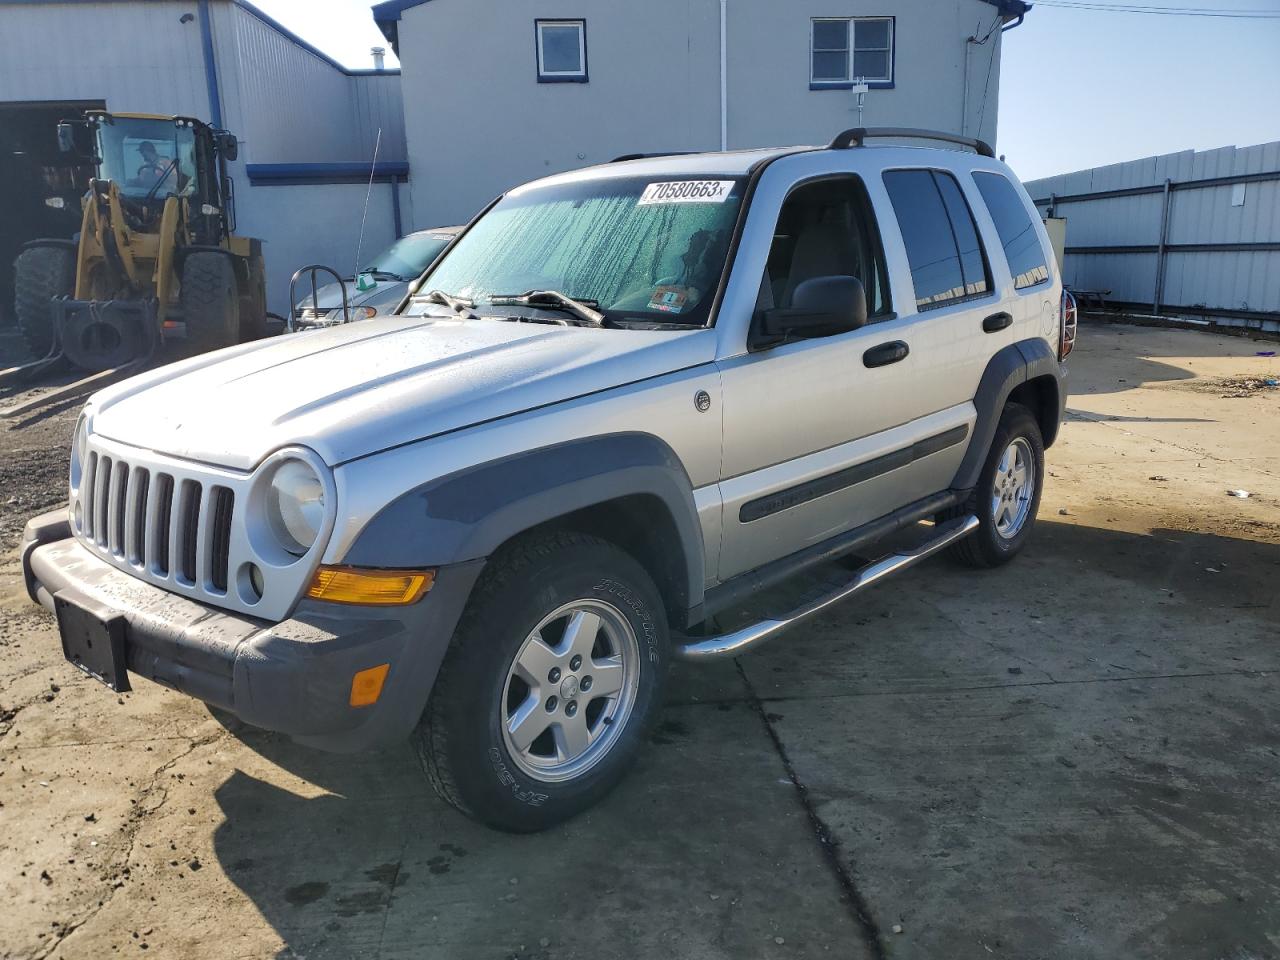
x=1067, y=342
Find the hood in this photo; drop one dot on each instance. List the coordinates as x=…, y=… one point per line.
x=355, y=389
x=384, y=295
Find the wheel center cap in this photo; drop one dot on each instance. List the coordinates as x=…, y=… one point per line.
x=569, y=689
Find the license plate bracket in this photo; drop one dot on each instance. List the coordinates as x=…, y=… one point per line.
x=93, y=640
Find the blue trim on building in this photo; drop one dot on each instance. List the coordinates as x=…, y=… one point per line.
x=353, y=171
x=210, y=66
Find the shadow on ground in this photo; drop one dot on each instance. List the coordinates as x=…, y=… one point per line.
x=1073, y=756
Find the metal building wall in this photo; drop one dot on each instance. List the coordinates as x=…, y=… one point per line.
x=1219, y=259
x=139, y=57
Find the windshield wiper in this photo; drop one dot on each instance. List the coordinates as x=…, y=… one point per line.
x=384, y=275
x=456, y=304
x=582, y=309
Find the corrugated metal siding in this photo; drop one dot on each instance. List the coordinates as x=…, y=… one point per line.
x=141, y=58
x=1226, y=280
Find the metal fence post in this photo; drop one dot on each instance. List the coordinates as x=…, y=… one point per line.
x=1160, y=250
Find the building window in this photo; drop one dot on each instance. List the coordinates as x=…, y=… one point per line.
x=562, y=51
x=845, y=50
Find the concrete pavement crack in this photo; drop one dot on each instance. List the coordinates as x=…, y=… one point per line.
x=861, y=911
x=132, y=829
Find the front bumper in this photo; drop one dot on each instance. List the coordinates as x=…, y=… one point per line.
x=293, y=676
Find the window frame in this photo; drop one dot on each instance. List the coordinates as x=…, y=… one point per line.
x=871, y=234
x=1047, y=258
x=557, y=76
x=851, y=53
x=991, y=292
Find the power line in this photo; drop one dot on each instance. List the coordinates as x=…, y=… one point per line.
x=1231, y=14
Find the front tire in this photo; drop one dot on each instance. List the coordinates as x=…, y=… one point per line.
x=551, y=685
x=40, y=274
x=210, y=301
x=1007, y=496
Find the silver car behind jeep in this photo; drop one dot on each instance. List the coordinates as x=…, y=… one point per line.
x=625, y=400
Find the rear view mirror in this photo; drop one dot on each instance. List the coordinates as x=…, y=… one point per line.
x=229, y=146
x=75, y=137
x=66, y=137
x=820, y=307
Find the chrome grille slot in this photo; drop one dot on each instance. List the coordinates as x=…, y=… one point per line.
x=102, y=501
x=86, y=495
x=159, y=524
x=223, y=506
x=119, y=505
x=136, y=521
x=186, y=524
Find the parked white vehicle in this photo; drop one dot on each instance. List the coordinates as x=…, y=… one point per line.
x=627, y=398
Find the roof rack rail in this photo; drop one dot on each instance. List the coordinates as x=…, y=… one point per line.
x=650, y=156
x=855, y=137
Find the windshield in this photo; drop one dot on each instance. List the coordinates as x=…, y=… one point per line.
x=409, y=256
x=147, y=157
x=650, y=248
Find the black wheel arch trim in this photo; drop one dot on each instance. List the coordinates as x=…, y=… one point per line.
x=468, y=514
x=1010, y=368
x=72, y=245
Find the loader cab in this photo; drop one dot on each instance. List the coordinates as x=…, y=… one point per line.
x=151, y=158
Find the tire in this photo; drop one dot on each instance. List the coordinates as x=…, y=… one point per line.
x=545, y=584
x=253, y=303
x=210, y=301
x=1006, y=512
x=40, y=274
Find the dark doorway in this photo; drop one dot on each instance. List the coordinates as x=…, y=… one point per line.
x=31, y=171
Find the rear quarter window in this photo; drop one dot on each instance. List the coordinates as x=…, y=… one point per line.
x=1018, y=235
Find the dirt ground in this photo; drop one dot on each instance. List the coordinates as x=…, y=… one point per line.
x=1074, y=756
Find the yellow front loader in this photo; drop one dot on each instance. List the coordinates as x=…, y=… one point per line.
x=157, y=257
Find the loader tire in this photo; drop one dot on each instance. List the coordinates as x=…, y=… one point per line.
x=210, y=301
x=40, y=274
x=253, y=302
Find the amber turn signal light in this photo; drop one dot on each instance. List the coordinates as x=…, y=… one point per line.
x=366, y=686
x=373, y=588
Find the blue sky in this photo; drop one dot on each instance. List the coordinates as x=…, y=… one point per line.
x=1079, y=88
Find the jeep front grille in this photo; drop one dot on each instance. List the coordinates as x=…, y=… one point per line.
x=139, y=516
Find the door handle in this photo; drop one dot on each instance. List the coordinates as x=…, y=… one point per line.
x=997, y=321
x=885, y=354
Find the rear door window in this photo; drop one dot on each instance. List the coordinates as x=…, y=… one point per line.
x=1017, y=232
x=944, y=251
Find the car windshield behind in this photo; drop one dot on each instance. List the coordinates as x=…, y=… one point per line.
x=643, y=248
x=408, y=256
x=147, y=158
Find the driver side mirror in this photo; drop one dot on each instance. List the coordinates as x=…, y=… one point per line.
x=74, y=137
x=820, y=307
x=229, y=146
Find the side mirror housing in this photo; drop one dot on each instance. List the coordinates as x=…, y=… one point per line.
x=820, y=307
x=229, y=146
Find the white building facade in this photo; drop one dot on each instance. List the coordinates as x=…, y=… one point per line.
x=501, y=91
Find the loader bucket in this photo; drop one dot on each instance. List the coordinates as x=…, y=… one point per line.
x=103, y=334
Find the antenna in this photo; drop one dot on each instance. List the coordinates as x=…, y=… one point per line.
x=860, y=88
x=355, y=271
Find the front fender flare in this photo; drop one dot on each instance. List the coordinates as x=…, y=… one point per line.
x=469, y=514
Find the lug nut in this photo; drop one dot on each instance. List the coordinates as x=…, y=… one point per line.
x=554, y=675
x=551, y=703
x=571, y=708
x=575, y=663
x=585, y=685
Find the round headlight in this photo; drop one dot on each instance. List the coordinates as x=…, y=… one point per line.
x=79, y=450
x=295, y=506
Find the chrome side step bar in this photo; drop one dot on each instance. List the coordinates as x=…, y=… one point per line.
x=749, y=637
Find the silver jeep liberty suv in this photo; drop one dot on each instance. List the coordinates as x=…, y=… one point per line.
x=623, y=400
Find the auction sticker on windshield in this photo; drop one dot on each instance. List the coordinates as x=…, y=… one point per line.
x=686, y=191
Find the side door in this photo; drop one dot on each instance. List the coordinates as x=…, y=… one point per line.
x=826, y=433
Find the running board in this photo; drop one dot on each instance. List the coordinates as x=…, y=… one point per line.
x=749, y=637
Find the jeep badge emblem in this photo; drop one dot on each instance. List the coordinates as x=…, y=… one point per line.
x=702, y=400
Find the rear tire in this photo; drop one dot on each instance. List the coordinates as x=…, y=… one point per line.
x=1007, y=496
x=40, y=274
x=586, y=717
x=210, y=301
